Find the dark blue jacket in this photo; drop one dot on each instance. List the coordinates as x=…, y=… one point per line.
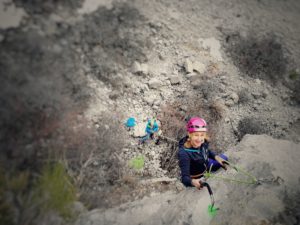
x=193, y=161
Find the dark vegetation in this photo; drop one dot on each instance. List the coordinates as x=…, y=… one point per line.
x=46, y=7
x=111, y=40
x=251, y=125
x=265, y=58
x=258, y=57
x=244, y=96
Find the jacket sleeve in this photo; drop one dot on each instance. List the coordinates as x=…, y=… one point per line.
x=184, y=164
x=211, y=154
x=155, y=127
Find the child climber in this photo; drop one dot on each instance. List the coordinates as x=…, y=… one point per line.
x=194, y=156
x=152, y=127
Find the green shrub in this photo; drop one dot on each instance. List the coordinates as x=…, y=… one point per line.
x=137, y=162
x=55, y=186
x=16, y=206
x=293, y=75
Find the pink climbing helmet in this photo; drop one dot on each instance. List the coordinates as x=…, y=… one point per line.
x=196, y=124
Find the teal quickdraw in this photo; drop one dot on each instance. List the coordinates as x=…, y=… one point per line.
x=252, y=179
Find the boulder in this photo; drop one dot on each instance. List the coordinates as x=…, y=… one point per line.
x=234, y=97
x=139, y=69
x=188, y=65
x=139, y=130
x=175, y=80
x=154, y=83
x=199, y=67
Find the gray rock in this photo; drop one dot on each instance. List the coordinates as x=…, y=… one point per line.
x=183, y=108
x=56, y=18
x=229, y=102
x=51, y=218
x=199, y=67
x=197, y=83
x=156, y=102
x=57, y=48
x=258, y=81
x=175, y=80
x=50, y=29
x=139, y=130
x=167, y=82
x=144, y=69
x=193, y=77
x=78, y=208
x=258, y=102
x=140, y=69
x=161, y=56
x=265, y=93
x=256, y=95
x=234, y=97
x=95, y=163
x=149, y=99
x=284, y=96
x=188, y=65
x=155, y=83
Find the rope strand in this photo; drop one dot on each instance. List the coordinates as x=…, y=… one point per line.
x=238, y=170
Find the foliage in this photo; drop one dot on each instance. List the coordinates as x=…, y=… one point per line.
x=249, y=125
x=258, y=57
x=55, y=187
x=137, y=162
x=25, y=199
x=294, y=75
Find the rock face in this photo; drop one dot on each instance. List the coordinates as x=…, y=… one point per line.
x=10, y=15
x=271, y=161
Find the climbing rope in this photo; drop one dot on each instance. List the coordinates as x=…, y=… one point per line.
x=170, y=139
x=251, y=178
x=212, y=210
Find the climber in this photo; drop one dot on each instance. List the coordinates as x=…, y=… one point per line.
x=152, y=128
x=194, y=156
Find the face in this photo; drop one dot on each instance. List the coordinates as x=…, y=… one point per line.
x=197, y=138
